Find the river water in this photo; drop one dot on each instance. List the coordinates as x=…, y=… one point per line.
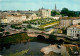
x=34, y=48
x=48, y=29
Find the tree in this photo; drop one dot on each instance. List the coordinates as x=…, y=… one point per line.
x=1, y=29
x=40, y=37
x=3, y=25
x=52, y=37
x=12, y=26
x=7, y=33
x=59, y=31
x=24, y=29
x=53, y=13
x=64, y=12
x=69, y=13
x=78, y=23
x=29, y=26
x=64, y=30
x=1, y=34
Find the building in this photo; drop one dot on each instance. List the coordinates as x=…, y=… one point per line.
x=55, y=9
x=68, y=21
x=3, y=20
x=74, y=31
x=39, y=13
x=12, y=17
x=76, y=21
x=31, y=16
x=65, y=23
x=44, y=12
x=57, y=18
x=15, y=18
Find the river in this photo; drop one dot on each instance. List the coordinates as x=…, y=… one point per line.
x=48, y=29
x=34, y=48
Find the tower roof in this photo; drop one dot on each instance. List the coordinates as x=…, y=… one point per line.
x=55, y=7
x=42, y=8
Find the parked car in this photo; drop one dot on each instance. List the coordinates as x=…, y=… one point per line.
x=76, y=53
x=13, y=29
x=17, y=30
x=10, y=28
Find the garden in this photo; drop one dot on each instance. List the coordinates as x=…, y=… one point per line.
x=43, y=22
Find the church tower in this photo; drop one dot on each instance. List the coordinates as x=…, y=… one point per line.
x=55, y=8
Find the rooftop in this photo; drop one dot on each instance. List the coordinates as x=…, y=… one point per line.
x=73, y=18
x=15, y=15
x=77, y=26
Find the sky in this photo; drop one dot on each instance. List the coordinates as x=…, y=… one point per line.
x=36, y=4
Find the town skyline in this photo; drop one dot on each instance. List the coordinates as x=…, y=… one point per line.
x=37, y=4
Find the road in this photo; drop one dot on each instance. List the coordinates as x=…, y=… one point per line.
x=37, y=31
x=10, y=30
x=65, y=36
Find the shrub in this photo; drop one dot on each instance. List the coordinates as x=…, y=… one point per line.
x=7, y=33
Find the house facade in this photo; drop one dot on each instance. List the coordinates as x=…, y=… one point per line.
x=74, y=31
x=44, y=12
x=65, y=23
x=15, y=18
x=3, y=20
x=75, y=21
x=68, y=21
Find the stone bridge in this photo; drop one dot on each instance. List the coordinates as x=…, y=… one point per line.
x=36, y=33
x=61, y=38
x=44, y=35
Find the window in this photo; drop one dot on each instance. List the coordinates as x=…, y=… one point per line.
x=73, y=33
x=77, y=35
x=71, y=30
x=78, y=31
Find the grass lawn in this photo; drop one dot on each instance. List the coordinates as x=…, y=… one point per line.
x=49, y=24
x=19, y=53
x=17, y=38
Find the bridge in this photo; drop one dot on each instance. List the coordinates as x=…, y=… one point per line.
x=36, y=33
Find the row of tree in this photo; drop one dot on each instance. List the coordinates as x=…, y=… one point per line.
x=66, y=12
x=69, y=13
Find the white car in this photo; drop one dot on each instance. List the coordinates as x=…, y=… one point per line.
x=17, y=30
x=13, y=29
x=10, y=28
x=76, y=52
x=75, y=38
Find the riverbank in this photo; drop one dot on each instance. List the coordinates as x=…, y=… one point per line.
x=64, y=49
x=23, y=37
x=19, y=42
x=15, y=38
